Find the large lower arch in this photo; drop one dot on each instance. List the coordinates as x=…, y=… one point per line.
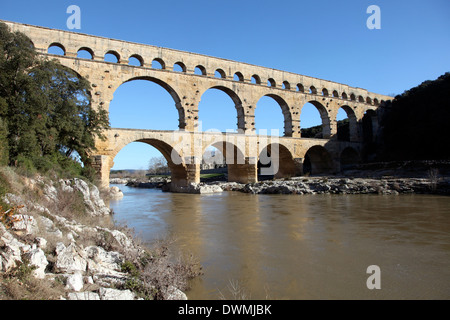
x=172, y=93
x=317, y=161
x=234, y=159
x=287, y=116
x=179, y=172
x=275, y=160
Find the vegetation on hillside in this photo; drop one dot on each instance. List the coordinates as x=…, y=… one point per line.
x=46, y=115
x=416, y=124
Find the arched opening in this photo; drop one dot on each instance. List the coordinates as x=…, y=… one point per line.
x=112, y=56
x=213, y=166
x=352, y=97
x=300, y=88
x=136, y=60
x=369, y=123
x=150, y=156
x=349, y=158
x=286, y=85
x=347, y=124
x=314, y=121
x=220, y=109
x=85, y=53
x=361, y=99
x=317, y=161
x=146, y=103
x=238, y=77
x=227, y=158
x=312, y=90
x=335, y=94
x=158, y=64
x=200, y=70
x=344, y=96
x=268, y=118
x=179, y=67
x=276, y=161
x=219, y=73
x=56, y=49
x=368, y=100
x=255, y=79
x=271, y=83
x=325, y=92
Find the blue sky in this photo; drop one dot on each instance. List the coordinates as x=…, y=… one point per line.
x=323, y=39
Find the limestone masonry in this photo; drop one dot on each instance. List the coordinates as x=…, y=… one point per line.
x=244, y=83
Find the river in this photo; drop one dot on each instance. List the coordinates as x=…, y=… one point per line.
x=301, y=246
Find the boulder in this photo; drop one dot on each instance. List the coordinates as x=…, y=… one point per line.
x=70, y=259
x=37, y=258
x=114, y=294
x=115, y=193
x=75, y=282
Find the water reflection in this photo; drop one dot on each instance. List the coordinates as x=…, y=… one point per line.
x=302, y=247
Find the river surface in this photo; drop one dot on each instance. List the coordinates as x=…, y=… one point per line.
x=301, y=246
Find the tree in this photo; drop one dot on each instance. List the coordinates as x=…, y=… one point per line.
x=158, y=165
x=45, y=106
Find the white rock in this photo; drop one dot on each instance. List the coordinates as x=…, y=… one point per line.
x=175, y=294
x=114, y=294
x=41, y=242
x=25, y=223
x=75, y=281
x=102, y=261
x=70, y=259
x=37, y=258
x=115, y=193
x=83, y=296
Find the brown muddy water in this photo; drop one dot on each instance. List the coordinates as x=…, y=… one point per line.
x=301, y=246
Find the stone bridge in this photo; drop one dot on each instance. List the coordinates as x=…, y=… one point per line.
x=186, y=76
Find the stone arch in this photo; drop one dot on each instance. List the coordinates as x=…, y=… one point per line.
x=237, y=103
x=335, y=94
x=271, y=83
x=238, y=76
x=352, y=97
x=276, y=160
x=255, y=79
x=138, y=58
x=179, y=65
x=174, y=159
x=326, y=126
x=287, y=116
x=200, y=70
x=57, y=45
x=352, y=124
x=369, y=126
x=219, y=73
x=325, y=92
x=361, y=99
x=286, y=85
x=173, y=94
x=114, y=53
x=317, y=161
x=344, y=96
x=233, y=157
x=158, y=63
x=300, y=87
x=88, y=50
x=312, y=90
x=349, y=157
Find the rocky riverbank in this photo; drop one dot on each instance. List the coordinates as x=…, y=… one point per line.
x=53, y=242
x=317, y=185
